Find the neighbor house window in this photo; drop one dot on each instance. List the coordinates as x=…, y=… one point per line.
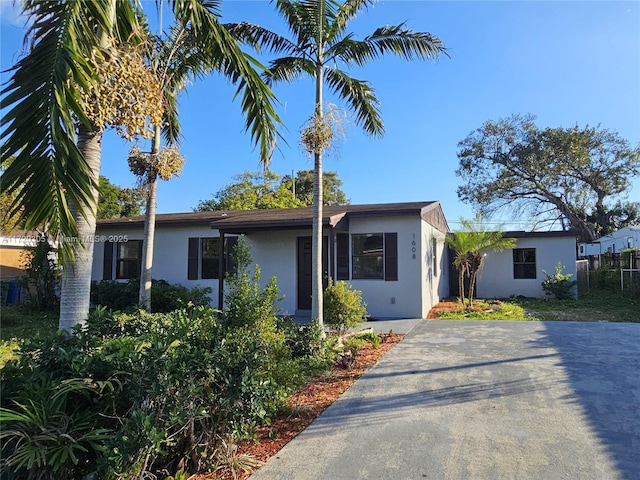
x=128, y=259
x=374, y=256
x=204, y=257
x=524, y=263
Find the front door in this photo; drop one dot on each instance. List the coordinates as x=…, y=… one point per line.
x=304, y=270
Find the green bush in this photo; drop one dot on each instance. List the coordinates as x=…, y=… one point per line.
x=607, y=278
x=559, y=284
x=41, y=280
x=141, y=393
x=343, y=306
x=165, y=297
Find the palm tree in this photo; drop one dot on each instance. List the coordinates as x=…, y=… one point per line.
x=185, y=54
x=55, y=124
x=470, y=244
x=320, y=42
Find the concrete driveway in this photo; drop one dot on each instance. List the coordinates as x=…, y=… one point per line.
x=484, y=400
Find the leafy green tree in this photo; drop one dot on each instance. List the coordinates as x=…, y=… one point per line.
x=573, y=175
x=332, y=193
x=84, y=72
x=252, y=191
x=470, y=243
x=320, y=43
x=260, y=190
x=115, y=201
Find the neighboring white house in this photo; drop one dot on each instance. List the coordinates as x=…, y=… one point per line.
x=519, y=271
x=627, y=237
x=394, y=253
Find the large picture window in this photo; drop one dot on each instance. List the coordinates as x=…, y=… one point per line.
x=374, y=256
x=129, y=259
x=368, y=256
x=524, y=263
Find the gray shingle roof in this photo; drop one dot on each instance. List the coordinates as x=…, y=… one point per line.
x=245, y=220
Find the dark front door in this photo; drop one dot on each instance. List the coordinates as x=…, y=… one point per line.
x=304, y=270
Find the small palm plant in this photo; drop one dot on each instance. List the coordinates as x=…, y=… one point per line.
x=470, y=244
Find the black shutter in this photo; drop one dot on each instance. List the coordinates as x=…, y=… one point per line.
x=342, y=256
x=391, y=257
x=107, y=262
x=192, y=258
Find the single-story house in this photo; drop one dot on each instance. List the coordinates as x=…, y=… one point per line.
x=394, y=253
x=520, y=271
x=627, y=237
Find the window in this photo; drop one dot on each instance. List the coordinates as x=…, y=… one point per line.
x=374, y=256
x=524, y=263
x=210, y=261
x=204, y=257
x=129, y=259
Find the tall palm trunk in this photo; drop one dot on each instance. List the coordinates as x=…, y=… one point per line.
x=144, y=297
x=76, y=274
x=316, y=254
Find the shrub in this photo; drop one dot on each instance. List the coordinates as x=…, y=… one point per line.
x=155, y=392
x=559, y=284
x=42, y=276
x=343, y=306
x=165, y=297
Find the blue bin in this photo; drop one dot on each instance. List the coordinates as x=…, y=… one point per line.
x=13, y=292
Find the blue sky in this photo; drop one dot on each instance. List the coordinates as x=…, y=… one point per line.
x=566, y=62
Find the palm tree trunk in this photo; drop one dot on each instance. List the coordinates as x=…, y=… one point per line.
x=144, y=296
x=472, y=286
x=76, y=275
x=316, y=255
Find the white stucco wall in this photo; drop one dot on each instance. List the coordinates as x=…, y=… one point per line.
x=276, y=253
x=495, y=280
x=402, y=298
x=169, y=257
x=435, y=281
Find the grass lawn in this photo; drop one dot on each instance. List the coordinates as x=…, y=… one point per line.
x=597, y=305
x=18, y=324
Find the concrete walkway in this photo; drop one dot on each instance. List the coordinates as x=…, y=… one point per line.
x=483, y=400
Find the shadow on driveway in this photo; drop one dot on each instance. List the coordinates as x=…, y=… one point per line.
x=602, y=364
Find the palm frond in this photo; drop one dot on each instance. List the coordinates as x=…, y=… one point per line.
x=360, y=97
x=346, y=12
x=285, y=69
x=44, y=102
x=211, y=47
x=300, y=17
x=396, y=40
x=258, y=38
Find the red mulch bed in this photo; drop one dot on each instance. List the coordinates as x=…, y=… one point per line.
x=446, y=306
x=308, y=402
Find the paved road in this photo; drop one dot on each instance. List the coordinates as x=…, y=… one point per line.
x=484, y=400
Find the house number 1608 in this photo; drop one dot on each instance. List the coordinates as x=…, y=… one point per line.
x=413, y=247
